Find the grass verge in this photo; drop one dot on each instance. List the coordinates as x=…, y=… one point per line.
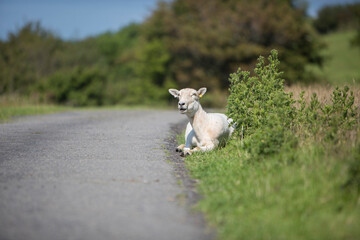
x=8, y=112
x=292, y=195
x=296, y=174
x=13, y=106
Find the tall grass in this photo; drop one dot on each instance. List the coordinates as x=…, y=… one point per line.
x=323, y=92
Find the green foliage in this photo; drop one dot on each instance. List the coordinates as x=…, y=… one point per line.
x=295, y=194
x=253, y=101
x=79, y=87
x=208, y=41
x=266, y=115
x=153, y=62
x=290, y=172
x=113, y=68
x=261, y=108
x=183, y=43
x=117, y=46
x=270, y=139
x=26, y=56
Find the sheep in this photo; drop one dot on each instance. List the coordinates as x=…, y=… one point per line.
x=205, y=131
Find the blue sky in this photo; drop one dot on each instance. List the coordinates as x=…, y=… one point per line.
x=77, y=19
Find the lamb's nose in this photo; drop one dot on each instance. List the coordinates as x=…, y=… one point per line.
x=181, y=103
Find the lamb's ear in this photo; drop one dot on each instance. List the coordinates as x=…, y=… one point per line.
x=201, y=91
x=174, y=92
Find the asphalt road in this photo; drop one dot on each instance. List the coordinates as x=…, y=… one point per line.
x=92, y=175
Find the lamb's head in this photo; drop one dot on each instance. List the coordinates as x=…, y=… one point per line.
x=188, y=99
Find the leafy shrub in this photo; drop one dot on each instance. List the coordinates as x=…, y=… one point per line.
x=78, y=87
x=28, y=54
x=267, y=116
x=253, y=100
x=270, y=138
x=259, y=105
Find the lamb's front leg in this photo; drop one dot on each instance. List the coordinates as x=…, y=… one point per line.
x=188, y=151
x=190, y=142
x=180, y=148
x=207, y=146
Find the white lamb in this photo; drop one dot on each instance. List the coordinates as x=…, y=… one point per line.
x=205, y=131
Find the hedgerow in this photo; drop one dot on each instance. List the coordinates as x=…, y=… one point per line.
x=292, y=170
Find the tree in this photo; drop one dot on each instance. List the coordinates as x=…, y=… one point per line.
x=207, y=40
x=26, y=57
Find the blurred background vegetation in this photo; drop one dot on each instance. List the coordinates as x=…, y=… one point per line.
x=183, y=43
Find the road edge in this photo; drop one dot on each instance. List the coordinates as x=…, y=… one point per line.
x=190, y=195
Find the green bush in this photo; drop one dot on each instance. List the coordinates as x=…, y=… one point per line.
x=78, y=87
x=266, y=115
x=261, y=109
x=253, y=100
x=270, y=138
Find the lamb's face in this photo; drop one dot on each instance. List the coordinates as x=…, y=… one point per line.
x=188, y=99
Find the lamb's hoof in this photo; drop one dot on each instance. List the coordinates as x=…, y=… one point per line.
x=184, y=154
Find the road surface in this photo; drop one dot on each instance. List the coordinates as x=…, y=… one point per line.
x=99, y=175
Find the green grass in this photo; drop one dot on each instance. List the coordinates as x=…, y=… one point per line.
x=13, y=105
x=291, y=195
x=342, y=61
x=10, y=111
x=296, y=175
